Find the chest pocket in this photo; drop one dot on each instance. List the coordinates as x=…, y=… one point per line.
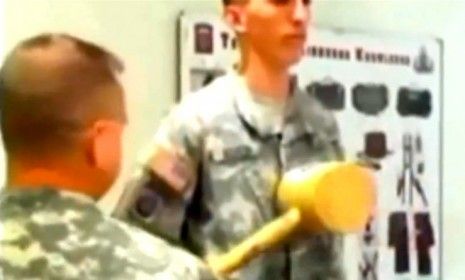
x=229, y=168
x=231, y=154
x=237, y=189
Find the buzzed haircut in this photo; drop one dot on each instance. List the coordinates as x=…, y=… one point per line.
x=49, y=89
x=228, y=2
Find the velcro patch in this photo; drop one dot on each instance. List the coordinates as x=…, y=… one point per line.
x=173, y=168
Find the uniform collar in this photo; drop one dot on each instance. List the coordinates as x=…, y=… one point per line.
x=297, y=109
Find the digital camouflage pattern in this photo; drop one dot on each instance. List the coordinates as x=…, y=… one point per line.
x=226, y=154
x=46, y=234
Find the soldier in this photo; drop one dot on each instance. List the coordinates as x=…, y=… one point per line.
x=62, y=120
x=208, y=180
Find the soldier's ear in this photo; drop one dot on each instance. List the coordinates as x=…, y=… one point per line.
x=104, y=148
x=235, y=16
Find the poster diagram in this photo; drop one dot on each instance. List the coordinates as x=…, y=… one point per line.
x=385, y=92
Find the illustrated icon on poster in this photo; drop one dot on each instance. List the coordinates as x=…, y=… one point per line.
x=423, y=63
x=409, y=177
x=370, y=99
x=375, y=149
x=424, y=240
x=422, y=235
x=368, y=265
x=399, y=236
x=203, y=33
x=414, y=102
x=398, y=239
x=329, y=92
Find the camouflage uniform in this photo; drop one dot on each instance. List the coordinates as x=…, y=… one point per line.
x=222, y=152
x=46, y=234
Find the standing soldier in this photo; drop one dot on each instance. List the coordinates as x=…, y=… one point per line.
x=208, y=180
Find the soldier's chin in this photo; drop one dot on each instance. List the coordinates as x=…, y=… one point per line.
x=292, y=58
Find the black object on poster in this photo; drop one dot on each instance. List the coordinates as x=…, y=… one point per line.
x=375, y=149
x=398, y=239
x=424, y=241
x=375, y=145
x=408, y=173
x=370, y=99
x=423, y=63
x=419, y=151
x=413, y=102
x=203, y=34
x=331, y=95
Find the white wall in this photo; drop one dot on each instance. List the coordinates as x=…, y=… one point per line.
x=142, y=33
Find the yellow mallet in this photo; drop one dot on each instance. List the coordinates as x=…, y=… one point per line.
x=335, y=196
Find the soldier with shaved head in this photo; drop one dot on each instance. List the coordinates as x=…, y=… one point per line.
x=62, y=119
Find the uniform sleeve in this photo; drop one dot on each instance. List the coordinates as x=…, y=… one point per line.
x=161, y=186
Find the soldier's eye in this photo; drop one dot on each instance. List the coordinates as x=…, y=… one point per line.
x=307, y=2
x=284, y=2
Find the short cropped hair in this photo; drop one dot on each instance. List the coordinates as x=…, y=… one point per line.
x=228, y=2
x=48, y=89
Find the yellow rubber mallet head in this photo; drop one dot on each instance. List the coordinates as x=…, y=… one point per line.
x=336, y=196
